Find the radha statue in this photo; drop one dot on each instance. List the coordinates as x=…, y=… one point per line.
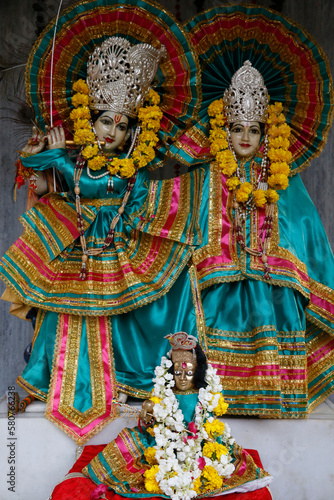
x=105, y=263
x=265, y=267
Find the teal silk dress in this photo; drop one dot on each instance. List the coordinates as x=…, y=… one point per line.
x=121, y=464
x=271, y=341
x=105, y=334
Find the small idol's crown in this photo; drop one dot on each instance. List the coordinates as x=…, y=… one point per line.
x=181, y=340
x=247, y=97
x=119, y=75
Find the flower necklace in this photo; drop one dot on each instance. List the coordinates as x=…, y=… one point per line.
x=149, y=117
x=246, y=198
x=84, y=135
x=186, y=462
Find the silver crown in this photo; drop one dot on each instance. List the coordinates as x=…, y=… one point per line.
x=247, y=97
x=119, y=75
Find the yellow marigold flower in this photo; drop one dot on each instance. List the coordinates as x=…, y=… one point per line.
x=275, y=108
x=221, y=407
x=214, y=450
x=150, y=113
x=276, y=119
x=259, y=198
x=153, y=97
x=151, y=124
x=197, y=486
x=232, y=183
x=155, y=400
x=280, y=130
x=279, y=142
x=228, y=169
x=113, y=169
x=217, y=133
x=90, y=151
x=82, y=112
x=278, y=181
x=80, y=100
x=97, y=162
x=82, y=136
x=218, y=121
x=147, y=151
x=139, y=159
x=272, y=196
x=279, y=155
x=149, y=455
x=148, y=137
x=216, y=107
x=210, y=479
x=214, y=428
x=81, y=123
x=226, y=157
x=80, y=86
x=218, y=145
x=280, y=168
x=150, y=482
x=127, y=168
x=242, y=194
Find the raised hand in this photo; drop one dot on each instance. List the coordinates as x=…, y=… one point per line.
x=56, y=137
x=36, y=143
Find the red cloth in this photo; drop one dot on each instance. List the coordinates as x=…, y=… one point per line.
x=81, y=488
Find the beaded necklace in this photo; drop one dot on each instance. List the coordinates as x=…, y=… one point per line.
x=110, y=235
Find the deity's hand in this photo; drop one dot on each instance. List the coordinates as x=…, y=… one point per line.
x=146, y=413
x=56, y=138
x=36, y=143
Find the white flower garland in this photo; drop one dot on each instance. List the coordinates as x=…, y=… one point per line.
x=179, y=450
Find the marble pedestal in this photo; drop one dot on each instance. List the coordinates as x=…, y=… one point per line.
x=299, y=454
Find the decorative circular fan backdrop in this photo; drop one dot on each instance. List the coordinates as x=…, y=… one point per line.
x=87, y=24
x=295, y=71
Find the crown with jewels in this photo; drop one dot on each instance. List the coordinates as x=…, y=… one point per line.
x=246, y=99
x=182, y=341
x=119, y=75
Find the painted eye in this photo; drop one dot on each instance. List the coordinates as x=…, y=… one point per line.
x=190, y=372
x=177, y=373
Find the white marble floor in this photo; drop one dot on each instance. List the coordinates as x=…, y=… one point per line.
x=299, y=454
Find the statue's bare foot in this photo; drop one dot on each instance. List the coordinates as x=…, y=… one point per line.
x=122, y=397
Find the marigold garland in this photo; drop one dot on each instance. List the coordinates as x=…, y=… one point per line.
x=149, y=116
x=278, y=137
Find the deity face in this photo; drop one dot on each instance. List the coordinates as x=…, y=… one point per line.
x=245, y=137
x=184, y=369
x=112, y=128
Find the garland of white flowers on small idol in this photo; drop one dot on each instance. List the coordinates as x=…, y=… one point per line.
x=278, y=133
x=187, y=461
x=149, y=118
